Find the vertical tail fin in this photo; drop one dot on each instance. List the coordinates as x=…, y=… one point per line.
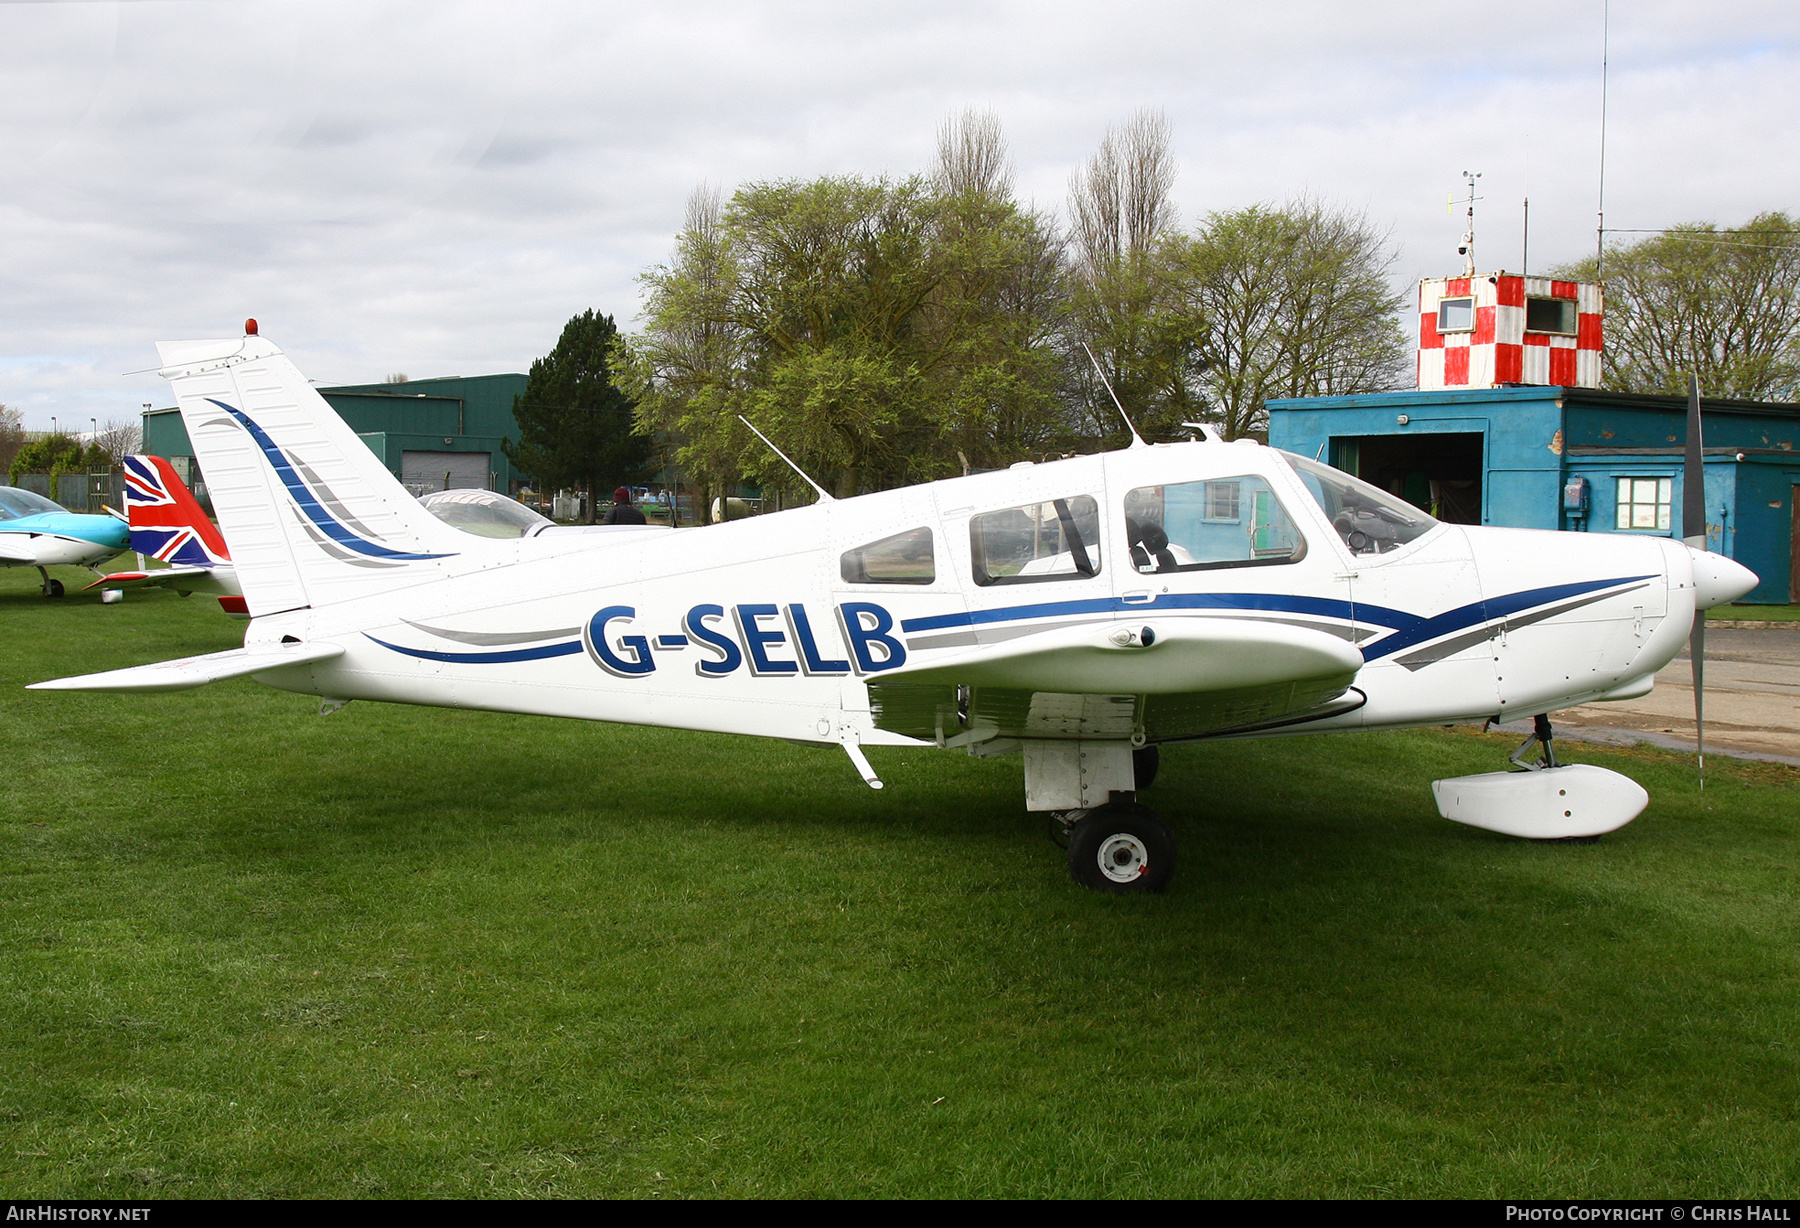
x=312, y=516
x=165, y=518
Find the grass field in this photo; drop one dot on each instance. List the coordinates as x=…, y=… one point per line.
x=1769, y=613
x=251, y=951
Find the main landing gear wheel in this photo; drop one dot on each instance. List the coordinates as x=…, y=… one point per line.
x=52, y=587
x=1122, y=847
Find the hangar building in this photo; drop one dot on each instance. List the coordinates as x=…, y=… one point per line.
x=432, y=434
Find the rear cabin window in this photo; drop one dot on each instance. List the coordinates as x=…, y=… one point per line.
x=1195, y=526
x=904, y=558
x=1057, y=540
x=1456, y=315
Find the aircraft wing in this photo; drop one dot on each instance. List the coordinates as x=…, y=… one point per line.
x=1149, y=657
x=1161, y=678
x=188, y=672
x=15, y=548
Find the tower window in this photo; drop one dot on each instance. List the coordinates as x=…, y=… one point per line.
x=1550, y=315
x=1456, y=315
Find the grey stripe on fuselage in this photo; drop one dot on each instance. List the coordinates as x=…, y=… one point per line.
x=491, y=638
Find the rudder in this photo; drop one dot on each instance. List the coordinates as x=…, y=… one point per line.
x=311, y=515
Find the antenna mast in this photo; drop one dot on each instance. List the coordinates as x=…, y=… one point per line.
x=1137, y=441
x=824, y=497
x=1525, y=239
x=1468, y=244
x=1600, y=228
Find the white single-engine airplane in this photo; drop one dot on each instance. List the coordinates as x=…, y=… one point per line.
x=1080, y=612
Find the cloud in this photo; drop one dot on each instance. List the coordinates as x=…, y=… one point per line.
x=436, y=188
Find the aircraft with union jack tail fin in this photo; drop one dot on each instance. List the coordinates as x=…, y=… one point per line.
x=1077, y=613
x=168, y=524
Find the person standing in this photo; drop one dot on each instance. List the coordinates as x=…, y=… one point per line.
x=622, y=511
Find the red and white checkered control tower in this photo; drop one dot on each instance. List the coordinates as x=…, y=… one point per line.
x=1484, y=331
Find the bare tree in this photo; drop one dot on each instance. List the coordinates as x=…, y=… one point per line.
x=119, y=438
x=1120, y=216
x=1120, y=199
x=972, y=156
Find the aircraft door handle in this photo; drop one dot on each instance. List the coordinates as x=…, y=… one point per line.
x=1140, y=596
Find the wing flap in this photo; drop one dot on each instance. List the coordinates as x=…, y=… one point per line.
x=189, y=672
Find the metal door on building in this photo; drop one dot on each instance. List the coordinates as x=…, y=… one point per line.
x=1794, y=544
x=423, y=472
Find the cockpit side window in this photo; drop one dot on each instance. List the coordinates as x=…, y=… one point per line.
x=1197, y=526
x=1057, y=540
x=904, y=558
x=1370, y=520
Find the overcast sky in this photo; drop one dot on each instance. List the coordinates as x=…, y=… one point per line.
x=435, y=188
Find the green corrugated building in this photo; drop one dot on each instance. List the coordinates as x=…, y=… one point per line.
x=432, y=434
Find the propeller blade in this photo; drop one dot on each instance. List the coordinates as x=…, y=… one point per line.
x=1693, y=532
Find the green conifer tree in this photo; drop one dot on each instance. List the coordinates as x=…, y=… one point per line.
x=575, y=425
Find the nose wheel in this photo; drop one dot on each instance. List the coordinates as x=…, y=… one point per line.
x=1119, y=848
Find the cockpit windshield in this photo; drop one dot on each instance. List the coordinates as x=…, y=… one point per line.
x=15, y=503
x=1369, y=519
x=485, y=513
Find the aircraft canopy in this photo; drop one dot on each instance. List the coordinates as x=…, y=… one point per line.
x=15, y=503
x=485, y=513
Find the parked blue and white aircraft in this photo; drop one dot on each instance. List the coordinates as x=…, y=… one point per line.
x=37, y=532
x=1079, y=612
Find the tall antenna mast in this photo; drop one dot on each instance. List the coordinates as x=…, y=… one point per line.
x=1468, y=244
x=1600, y=229
x=1525, y=240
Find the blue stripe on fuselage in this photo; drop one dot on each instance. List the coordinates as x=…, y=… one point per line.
x=1407, y=629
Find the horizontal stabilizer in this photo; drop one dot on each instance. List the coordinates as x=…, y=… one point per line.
x=189, y=672
x=147, y=579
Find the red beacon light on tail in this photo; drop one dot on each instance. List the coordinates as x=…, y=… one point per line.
x=249, y=328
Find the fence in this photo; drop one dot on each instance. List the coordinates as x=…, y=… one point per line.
x=77, y=492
